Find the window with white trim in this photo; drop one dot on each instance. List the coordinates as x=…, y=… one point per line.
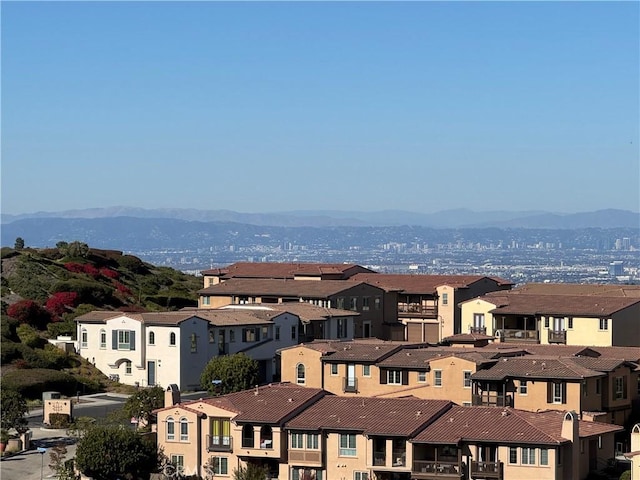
x=445, y=299
x=178, y=462
x=334, y=369
x=172, y=338
x=466, y=380
x=152, y=338
x=220, y=465
x=103, y=338
x=171, y=428
x=360, y=475
x=347, y=445
x=557, y=392
x=313, y=441
x=522, y=390
x=184, y=430
x=300, y=374
x=83, y=338
x=544, y=456
x=124, y=339
x=297, y=440
x=366, y=372
x=127, y=367
x=437, y=378
x=394, y=377
x=422, y=377
x=513, y=454
x=528, y=456
x=604, y=324
x=206, y=300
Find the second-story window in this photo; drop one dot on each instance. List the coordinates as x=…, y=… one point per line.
x=300, y=374
x=277, y=332
x=394, y=377
x=437, y=378
x=297, y=440
x=171, y=429
x=604, y=324
x=366, y=372
x=172, y=338
x=152, y=338
x=619, y=390
x=184, y=430
x=340, y=303
x=334, y=369
x=347, y=445
x=523, y=387
x=194, y=343
x=84, y=338
x=342, y=327
x=466, y=381
x=376, y=303
x=103, y=339
x=422, y=377
x=365, y=303
x=353, y=303
x=313, y=441
x=445, y=299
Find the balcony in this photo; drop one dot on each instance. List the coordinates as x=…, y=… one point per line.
x=217, y=443
x=430, y=469
x=311, y=458
x=417, y=310
x=478, y=330
x=520, y=336
x=558, y=336
x=487, y=470
x=491, y=399
x=350, y=384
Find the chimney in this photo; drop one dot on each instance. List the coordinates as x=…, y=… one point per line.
x=171, y=395
x=570, y=425
x=635, y=438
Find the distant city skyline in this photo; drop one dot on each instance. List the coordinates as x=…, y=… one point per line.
x=352, y=106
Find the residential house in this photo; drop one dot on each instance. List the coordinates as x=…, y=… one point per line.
x=634, y=454
x=487, y=443
x=428, y=305
x=220, y=434
x=162, y=348
x=373, y=320
x=563, y=319
x=357, y=438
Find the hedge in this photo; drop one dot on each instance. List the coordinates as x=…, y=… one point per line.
x=31, y=383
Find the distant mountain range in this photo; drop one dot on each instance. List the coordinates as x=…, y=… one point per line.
x=458, y=218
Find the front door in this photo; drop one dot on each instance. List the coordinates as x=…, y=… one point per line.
x=151, y=373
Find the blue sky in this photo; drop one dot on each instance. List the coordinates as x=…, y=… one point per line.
x=277, y=106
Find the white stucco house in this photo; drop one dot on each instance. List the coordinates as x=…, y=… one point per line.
x=161, y=348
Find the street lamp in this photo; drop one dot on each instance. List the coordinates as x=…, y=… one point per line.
x=42, y=451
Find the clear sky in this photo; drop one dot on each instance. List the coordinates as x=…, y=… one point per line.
x=276, y=106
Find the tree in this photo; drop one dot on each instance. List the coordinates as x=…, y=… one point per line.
x=251, y=472
x=235, y=372
x=114, y=452
x=19, y=245
x=14, y=408
x=77, y=250
x=142, y=403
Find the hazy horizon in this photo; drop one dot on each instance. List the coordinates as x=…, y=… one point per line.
x=346, y=106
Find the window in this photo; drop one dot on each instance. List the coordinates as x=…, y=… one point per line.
x=445, y=299
x=152, y=338
x=220, y=465
x=178, y=462
x=297, y=440
x=124, y=340
x=184, y=430
x=394, y=377
x=422, y=377
x=360, y=476
x=171, y=429
x=265, y=332
x=172, y=338
x=353, y=303
x=293, y=332
x=84, y=338
x=604, y=324
x=342, y=327
x=232, y=335
x=247, y=436
x=212, y=336
x=277, y=332
x=340, y=303
x=570, y=322
x=206, y=300
x=544, y=456
x=513, y=454
x=312, y=441
x=127, y=367
x=300, y=374
x=250, y=335
x=557, y=393
x=466, y=380
x=523, y=387
x=103, y=339
x=365, y=303
x=366, y=372
x=437, y=378
x=347, y=445
x=220, y=432
x=619, y=390
x=376, y=303
x=585, y=388
x=528, y=456
x=302, y=473
x=334, y=369
x=194, y=343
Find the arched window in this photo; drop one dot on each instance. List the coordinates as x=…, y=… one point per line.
x=171, y=429
x=247, y=436
x=152, y=338
x=103, y=338
x=83, y=338
x=172, y=338
x=266, y=437
x=300, y=374
x=184, y=430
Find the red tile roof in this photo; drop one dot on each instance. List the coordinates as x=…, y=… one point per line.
x=418, y=283
x=604, y=290
x=284, y=270
x=372, y=416
x=258, y=287
x=536, y=367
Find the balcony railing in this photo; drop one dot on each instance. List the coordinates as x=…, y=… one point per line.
x=487, y=470
x=490, y=399
x=305, y=457
x=437, y=468
x=217, y=443
x=514, y=335
x=350, y=384
x=417, y=309
x=399, y=458
x=557, y=336
x=478, y=330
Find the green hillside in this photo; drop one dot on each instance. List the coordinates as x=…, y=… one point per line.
x=43, y=290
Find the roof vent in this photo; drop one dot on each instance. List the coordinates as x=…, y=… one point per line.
x=377, y=347
x=290, y=400
x=505, y=413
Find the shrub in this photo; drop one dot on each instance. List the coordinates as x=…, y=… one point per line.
x=29, y=336
x=74, y=267
x=8, y=252
x=88, y=291
x=91, y=270
x=61, y=302
x=31, y=383
x=107, y=272
x=8, y=328
x=9, y=352
x=28, y=311
x=626, y=475
x=65, y=327
x=59, y=420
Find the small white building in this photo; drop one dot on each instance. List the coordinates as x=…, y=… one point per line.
x=161, y=348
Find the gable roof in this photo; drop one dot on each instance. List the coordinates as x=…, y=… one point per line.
x=422, y=284
x=149, y=318
x=631, y=354
x=308, y=312
x=367, y=350
x=284, y=270
x=372, y=416
x=536, y=367
x=508, y=425
x=420, y=358
x=285, y=287
x=605, y=290
x=562, y=305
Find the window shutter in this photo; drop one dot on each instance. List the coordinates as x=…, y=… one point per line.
x=624, y=387
x=132, y=340
x=549, y=392
x=383, y=376
x=405, y=377
x=114, y=340
x=564, y=392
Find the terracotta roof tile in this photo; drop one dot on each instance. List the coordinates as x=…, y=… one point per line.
x=536, y=367
x=283, y=270
x=579, y=289
x=273, y=287
x=419, y=283
x=372, y=416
